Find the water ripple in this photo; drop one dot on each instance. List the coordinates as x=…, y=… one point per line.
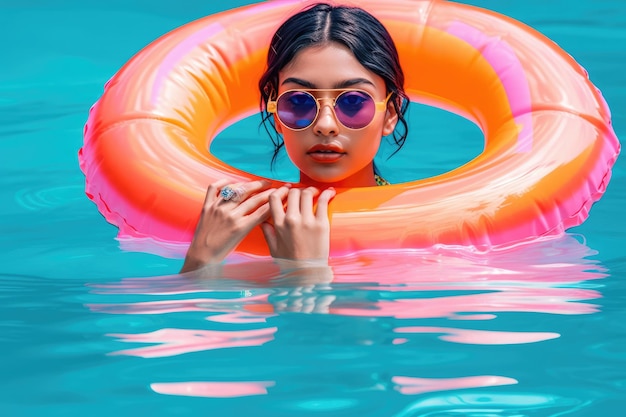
x=487, y=404
x=36, y=199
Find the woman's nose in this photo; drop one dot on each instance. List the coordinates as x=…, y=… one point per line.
x=326, y=123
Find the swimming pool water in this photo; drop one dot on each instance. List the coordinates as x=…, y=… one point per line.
x=90, y=329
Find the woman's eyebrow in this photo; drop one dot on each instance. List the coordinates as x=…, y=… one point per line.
x=342, y=84
x=294, y=80
x=352, y=82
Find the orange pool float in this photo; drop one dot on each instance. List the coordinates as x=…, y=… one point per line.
x=549, y=144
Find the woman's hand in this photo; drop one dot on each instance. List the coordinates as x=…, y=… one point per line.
x=224, y=223
x=299, y=232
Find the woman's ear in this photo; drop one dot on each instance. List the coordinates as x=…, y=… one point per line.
x=391, y=119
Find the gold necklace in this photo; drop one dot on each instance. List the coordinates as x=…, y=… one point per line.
x=380, y=180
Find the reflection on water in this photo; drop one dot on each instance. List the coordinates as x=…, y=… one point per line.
x=213, y=389
x=170, y=342
x=389, y=300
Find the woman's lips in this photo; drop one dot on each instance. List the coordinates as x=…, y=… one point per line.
x=326, y=157
x=325, y=153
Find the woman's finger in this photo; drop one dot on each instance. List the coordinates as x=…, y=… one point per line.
x=293, y=202
x=253, y=202
x=322, y=203
x=213, y=191
x=239, y=192
x=256, y=186
x=306, y=201
x=270, y=236
x=277, y=210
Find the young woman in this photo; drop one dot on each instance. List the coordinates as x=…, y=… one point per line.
x=332, y=89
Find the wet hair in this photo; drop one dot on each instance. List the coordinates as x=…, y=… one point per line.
x=321, y=24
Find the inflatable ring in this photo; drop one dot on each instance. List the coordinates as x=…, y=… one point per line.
x=549, y=145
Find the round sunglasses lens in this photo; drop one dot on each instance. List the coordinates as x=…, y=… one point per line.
x=296, y=109
x=355, y=109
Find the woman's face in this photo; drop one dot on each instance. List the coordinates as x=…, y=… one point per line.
x=326, y=152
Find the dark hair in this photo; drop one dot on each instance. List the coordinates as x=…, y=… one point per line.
x=352, y=27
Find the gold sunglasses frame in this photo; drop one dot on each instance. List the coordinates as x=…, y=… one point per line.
x=272, y=106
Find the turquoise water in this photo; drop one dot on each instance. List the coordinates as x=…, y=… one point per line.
x=89, y=329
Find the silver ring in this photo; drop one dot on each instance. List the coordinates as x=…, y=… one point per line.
x=229, y=194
